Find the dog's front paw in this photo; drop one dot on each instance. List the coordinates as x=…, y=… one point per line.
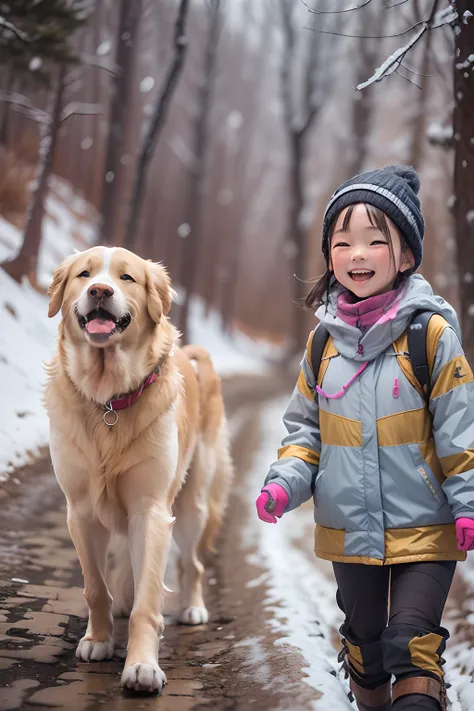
x=194, y=616
x=143, y=677
x=90, y=650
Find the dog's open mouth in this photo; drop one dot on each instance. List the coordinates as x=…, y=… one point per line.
x=101, y=324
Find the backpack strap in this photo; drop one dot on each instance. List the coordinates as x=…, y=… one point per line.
x=417, y=349
x=420, y=343
x=316, y=349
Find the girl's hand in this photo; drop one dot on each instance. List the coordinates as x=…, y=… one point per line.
x=465, y=534
x=272, y=503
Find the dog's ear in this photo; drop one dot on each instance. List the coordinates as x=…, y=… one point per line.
x=159, y=291
x=58, y=286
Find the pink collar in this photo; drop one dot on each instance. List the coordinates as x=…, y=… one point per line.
x=111, y=416
x=124, y=401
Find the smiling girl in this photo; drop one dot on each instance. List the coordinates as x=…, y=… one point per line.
x=390, y=470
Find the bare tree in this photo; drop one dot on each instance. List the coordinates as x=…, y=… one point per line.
x=196, y=184
x=459, y=15
x=370, y=22
x=418, y=128
x=464, y=166
x=316, y=80
x=156, y=123
x=119, y=115
x=26, y=261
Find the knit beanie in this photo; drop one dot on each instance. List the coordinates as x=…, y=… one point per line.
x=392, y=189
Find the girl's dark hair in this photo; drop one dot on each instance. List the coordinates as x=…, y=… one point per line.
x=377, y=218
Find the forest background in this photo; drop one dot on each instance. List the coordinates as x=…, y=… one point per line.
x=209, y=135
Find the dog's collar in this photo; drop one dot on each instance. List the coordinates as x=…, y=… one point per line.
x=111, y=416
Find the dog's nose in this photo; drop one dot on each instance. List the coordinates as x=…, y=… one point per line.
x=100, y=291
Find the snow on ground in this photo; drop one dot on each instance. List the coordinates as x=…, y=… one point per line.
x=302, y=589
x=28, y=336
x=303, y=601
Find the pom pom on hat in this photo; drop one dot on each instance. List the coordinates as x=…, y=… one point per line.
x=407, y=173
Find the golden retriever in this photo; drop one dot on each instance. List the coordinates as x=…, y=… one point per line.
x=139, y=442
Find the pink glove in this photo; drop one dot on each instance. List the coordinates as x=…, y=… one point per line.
x=272, y=503
x=465, y=533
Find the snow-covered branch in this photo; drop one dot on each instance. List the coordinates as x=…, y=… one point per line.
x=80, y=109
x=23, y=105
x=393, y=62
x=441, y=136
x=5, y=25
x=100, y=63
x=438, y=18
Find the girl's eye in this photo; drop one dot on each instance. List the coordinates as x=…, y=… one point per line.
x=84, y=274
x=378, y=241
x=341, y=244
x=127, y=277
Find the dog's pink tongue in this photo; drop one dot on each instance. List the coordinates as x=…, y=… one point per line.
x=99, y=325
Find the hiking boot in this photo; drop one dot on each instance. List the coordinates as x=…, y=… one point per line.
x=426, y=689
x=377, y=699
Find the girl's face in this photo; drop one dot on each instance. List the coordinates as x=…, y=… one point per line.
x=361, y=257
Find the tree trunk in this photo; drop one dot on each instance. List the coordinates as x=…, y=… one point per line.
x=370, y=23
x=119, y=116
x=297, y=238
x=464, y=171
x=6, y=117
x=190, y=252
x=156, y=125
x=418, y=130
x=26, y=261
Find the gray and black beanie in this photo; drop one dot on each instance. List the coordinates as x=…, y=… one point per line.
x=392, y=189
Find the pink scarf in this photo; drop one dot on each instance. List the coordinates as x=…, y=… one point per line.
x=365, y=313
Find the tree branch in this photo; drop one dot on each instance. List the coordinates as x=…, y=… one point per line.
x=343, y=34
x=18, y=33
x=394, y=61
x=93, y=61
x=335, y=12
x=23, y=105
x=79, y=110
x=435, y=20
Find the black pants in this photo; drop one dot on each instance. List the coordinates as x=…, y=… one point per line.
x=393, y=622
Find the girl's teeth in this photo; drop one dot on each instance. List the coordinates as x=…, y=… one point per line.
x=361, y=276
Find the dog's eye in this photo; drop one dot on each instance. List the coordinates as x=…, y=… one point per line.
x=84, y=274
x=127, y=277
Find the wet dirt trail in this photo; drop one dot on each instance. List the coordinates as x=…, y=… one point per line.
x=230, y=663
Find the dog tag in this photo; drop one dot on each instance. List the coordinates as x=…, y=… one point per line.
x=110, y=416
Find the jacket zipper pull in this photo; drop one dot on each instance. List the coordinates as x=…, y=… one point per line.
x=396, y=389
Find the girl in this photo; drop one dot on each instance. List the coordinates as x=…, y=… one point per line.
x=391, y=476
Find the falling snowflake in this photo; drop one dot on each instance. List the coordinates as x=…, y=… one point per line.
x=184, y=230
x=35, y=63
x=147, y=84
x=104, y=48
x=86, y=143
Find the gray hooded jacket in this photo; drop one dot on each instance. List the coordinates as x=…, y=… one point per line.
x=388, y=474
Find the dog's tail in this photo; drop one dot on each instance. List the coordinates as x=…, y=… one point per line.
x=212, y=408
x=217, y=444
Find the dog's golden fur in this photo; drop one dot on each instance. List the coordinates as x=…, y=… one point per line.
x=167, y=456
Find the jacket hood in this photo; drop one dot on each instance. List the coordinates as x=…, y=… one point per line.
x=416, y=294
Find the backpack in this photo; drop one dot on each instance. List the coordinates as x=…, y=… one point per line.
x=417, y=349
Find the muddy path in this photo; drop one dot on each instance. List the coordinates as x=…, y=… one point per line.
x=230, y=663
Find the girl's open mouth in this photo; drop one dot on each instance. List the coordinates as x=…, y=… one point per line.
x=361, y=275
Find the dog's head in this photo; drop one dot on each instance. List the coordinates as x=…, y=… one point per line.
x=109, y=295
